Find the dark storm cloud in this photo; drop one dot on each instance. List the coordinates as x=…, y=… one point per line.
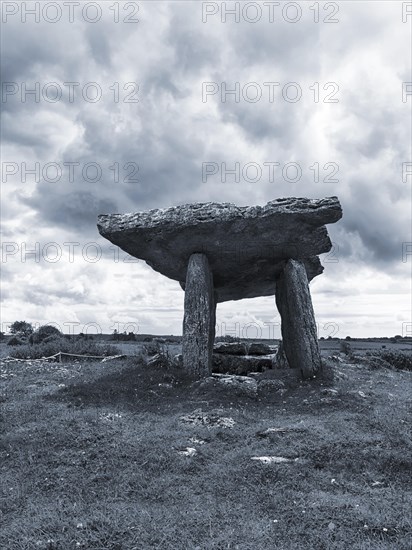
x=379, y=129
x=34, y=52
x=263, y=121
x=43, y=295
x=163, y=81
x=194, y=49
x=376, y=224
x=27, y=136
x=169, y=143
x=31, y=52
x=99, y=45
x=76, y=211
x=287, y=47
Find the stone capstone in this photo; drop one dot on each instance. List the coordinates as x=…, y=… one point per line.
x=247, y=247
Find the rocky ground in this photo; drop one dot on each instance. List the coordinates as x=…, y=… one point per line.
x=125, y=455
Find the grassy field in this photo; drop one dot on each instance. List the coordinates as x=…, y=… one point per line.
x=95, y=456
x=327, y=347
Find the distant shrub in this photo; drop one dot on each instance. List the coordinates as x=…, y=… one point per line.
x=51, y=338
x=390, y=359
x=160, y=360
x=123, y=336
x=153, y=348
x=86, y=336
x=227, y=338
x=21, y=328
x=43, y=333
x=55, y=344
x=345, y=348
x=16, y=341
x=397, y=359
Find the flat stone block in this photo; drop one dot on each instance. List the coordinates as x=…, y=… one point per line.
x=247, y=247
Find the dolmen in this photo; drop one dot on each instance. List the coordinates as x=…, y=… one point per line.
x=220, y=252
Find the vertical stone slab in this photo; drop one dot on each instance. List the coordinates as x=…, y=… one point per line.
x=199, y=318
x=298, y=320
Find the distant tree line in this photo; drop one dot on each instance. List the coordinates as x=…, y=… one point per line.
x=123, y=336
x=23, y=333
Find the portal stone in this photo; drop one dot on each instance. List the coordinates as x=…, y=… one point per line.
x=299, y=332
x=199, y=318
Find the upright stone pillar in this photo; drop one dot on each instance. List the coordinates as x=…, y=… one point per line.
x=298, y=320
x=199, y=318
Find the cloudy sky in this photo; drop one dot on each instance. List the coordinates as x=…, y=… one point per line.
x=125, y=106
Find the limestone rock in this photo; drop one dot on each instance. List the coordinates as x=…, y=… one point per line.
x=259, y=348
x=241, y=364
x=212, y=419
x=247, y=247
x=281, y=361
x=273, y=459
x=235, y=348
x=178, y=360
x=240, y=385
x=270, y=386
x=299, y=331
x=199, y=319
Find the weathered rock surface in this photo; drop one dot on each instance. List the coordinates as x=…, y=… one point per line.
x=199, y=319
x=236, y=385
x=229, y=348
x=258, y=348
x=247, y=247
x=270, y=387
x=240, y=384
x=212, y=419
x=241, y=364
x=178, y=360
x=241, y=358
x=299, y=331
x=243, y=348
x=281, y=361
